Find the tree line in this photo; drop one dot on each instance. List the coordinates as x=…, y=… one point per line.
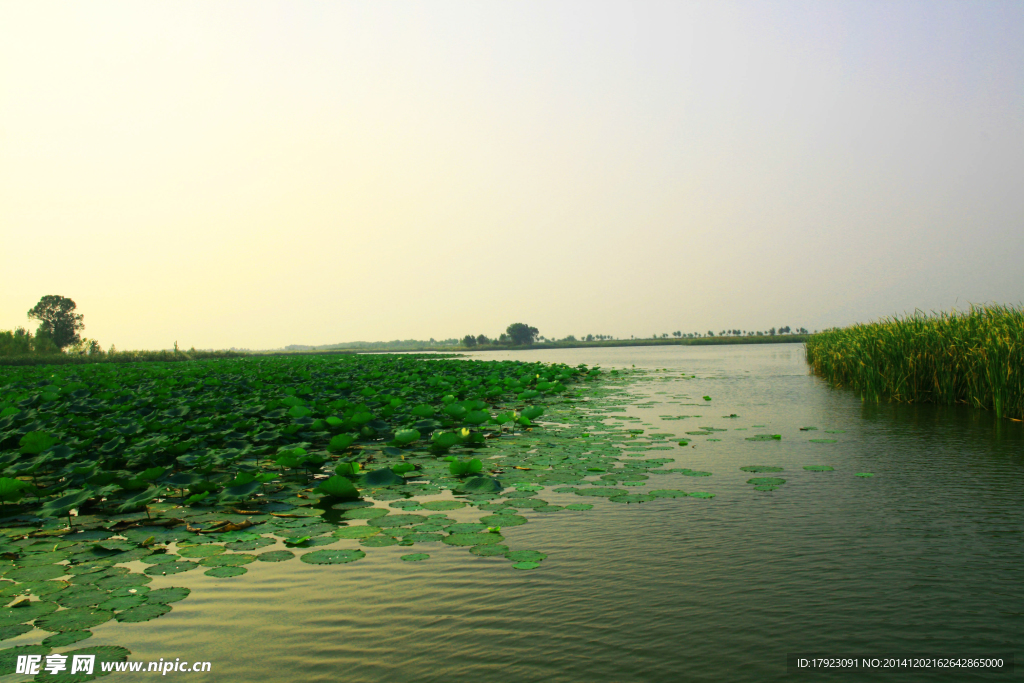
x=59, y=331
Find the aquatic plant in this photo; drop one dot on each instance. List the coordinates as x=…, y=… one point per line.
x=972, y=358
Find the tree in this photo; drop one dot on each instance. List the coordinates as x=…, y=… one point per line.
x=58, y=320
x=482, y=339
x=521, y=333
x=589, y=338
x=469, y=340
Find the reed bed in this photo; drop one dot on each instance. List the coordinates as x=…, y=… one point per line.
x=974, y=358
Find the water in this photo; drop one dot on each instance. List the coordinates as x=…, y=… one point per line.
x=925, y=558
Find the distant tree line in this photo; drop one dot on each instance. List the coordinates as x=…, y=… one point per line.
x=517, y=334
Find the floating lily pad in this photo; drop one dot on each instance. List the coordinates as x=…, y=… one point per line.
x=766, y=481
x=44, y=588
x=601, y=492
x=364, y=513
x=492, y=550
x=394, y=521
x=254, y=544
x=232, y=560
x=41, y=573
x=151, y=610
x=379, y=541
x=122, y=603
x=332, y=556
x=170, y=568
x=765, y=437
x=525, y=555
x=10, y=616
x=275, y=556
x=503, y=520
x=765, y=487
x=484, y=538
x=423, y=537
x=819, y=468
x=14, y=631
x=129, y=590
x=195, y=551
x=695, y=473
x=761, y=468
x=81, y=596
x=225, y=572
x=76, y=619
x=111, y=583
x=356, y=532
x=579, y=506
x=415, y=557
x=9, y=656
x=702, y=494
x=864, y=474
x=525, y=565
x=465, y=528
x=440, y=505
x=632, y=498
x=166, y=595
x=667, y=493
x=65, y=638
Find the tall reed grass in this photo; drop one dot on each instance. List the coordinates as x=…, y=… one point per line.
x=974, y=358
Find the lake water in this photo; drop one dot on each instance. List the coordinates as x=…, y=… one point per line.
x=925, y=558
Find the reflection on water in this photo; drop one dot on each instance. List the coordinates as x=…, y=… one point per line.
x=926, y=557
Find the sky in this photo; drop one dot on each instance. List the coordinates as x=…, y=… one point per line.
x=256, y=174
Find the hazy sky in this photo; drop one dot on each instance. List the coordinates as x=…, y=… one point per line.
x=256, y=174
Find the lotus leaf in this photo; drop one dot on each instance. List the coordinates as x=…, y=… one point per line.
x=225, y=572
x=338, y=487
x=525, y=556
x=443, y=505
x=382, y=477
x=481, y=484
x=14, y=631
x=332, y=556
x=75, y=619
x=340, y=443
x=227, y=560
x=65, y=638
x=472, y=539
x=407, y=436
x=170, y=568
x=150, y=610
x=275, y=556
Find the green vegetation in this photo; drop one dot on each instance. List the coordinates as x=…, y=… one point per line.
x=208, y=465
x=58, y=320
x=974, y=358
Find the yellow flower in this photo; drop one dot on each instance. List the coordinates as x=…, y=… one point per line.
x=465, y=432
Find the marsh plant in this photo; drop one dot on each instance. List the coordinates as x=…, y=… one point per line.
x=974, y=358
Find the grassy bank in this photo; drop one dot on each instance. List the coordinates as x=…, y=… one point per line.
x=974, y=358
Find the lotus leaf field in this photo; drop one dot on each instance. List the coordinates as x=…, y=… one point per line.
x=111, y=475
